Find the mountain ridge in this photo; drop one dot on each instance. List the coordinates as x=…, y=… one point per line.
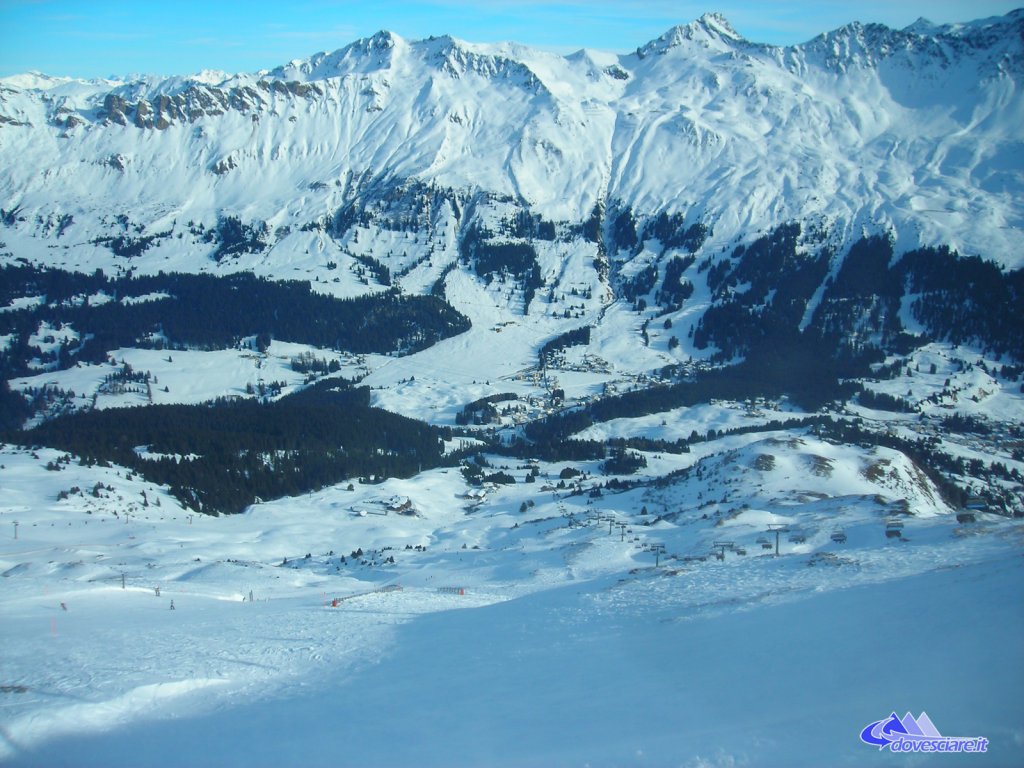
x=565, y=189
x=711, y=114
x=654, y=353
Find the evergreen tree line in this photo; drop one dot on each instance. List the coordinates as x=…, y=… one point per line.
x=809, y=376
x=640, y=285
x=623, y=462
x=530, y=226
x=779, y=283
x=491, y=260
x=575, y=337
x=222, y=456
x=234, y=237
x=14, y=409
x=482, y=410
x=880, y=401
x=208, y=312
x=128, y=247
x=966, y=299
x=957, y=299
x=675, y=289
x=670, y=229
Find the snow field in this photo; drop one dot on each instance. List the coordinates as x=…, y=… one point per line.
x=595, y=627
x=911, y=133
x=606, y=674
x=191, y=376
x=565, y=630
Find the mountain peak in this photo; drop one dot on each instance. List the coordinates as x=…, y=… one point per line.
x=381, y=43
x=33, y=80
x=922, y=26
x=366, y=51
x=717, y=24
x=711, y=29
x=997, y=39
x=382, y=40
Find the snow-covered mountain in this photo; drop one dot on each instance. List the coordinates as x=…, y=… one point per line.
x=702, y=200
x=689, y=378
x=731, y=190
x=865, y=129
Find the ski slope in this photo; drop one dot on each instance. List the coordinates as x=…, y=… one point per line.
x=553, y=635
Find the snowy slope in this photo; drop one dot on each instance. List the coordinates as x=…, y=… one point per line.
x=570, y=619
x=862, y=129
x=553, y=635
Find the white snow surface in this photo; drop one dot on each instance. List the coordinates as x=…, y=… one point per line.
x=550, y=636
x=863, y=129
x=562, y=636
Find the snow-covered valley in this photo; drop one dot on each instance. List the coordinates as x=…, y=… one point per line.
x=453, y=404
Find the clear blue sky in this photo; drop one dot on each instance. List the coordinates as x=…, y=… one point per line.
x=96, y=38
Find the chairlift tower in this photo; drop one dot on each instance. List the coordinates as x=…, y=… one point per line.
x=659, y=550
x=721, y=546
x=778, y=528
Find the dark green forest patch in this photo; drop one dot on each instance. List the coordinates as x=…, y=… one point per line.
x=207, y=312
x=220, y=457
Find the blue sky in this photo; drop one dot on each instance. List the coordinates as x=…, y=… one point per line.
x=96, y=38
